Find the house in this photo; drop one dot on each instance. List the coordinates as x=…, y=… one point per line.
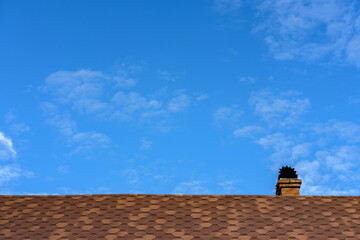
x=139, y=216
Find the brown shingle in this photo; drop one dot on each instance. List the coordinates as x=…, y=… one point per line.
x=179, y=217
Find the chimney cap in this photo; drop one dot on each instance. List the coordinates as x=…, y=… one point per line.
x=287, y=172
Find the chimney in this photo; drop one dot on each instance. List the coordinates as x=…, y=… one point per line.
x=288, y=183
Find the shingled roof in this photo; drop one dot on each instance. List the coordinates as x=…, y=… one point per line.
x=132, y=216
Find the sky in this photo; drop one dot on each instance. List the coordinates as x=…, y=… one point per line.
x=179, y=97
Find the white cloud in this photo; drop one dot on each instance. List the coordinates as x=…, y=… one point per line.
x=10, y=172
x=10, y=117
x=95, y=93
x=248, y=131
x=321, y=190
x=224, y=186
x=285, y=149
x=167, y=76
x=122, y=81
x=18, y=128
x=133, y=101
x=233, y=51
x=276, y=141
x=192, y=187
x=15, y=126
x=279, y=143
x=326, y=155
x=227, y=114
x=225, y=6
x=82, y=89
x=229, y=187
x=67, y=85
x=353, y=50
x=104, y=96
x=311, y=30
x=123, y=75
x=335, y=171
x=179, y=103
x=61, y=121
x=92, y=106
x=7, y=150
x=300, y=150
x=145, y=144
x=346, y=131
x=248, y=79
x=282, y=109
x=62, y=169
x=86, y=91
x=343, y=159
x=91, y=138
x=329, y=170
x=65, y=125
x=353, y=100
x=308, y=171
x=69, y=191
x=201, y=96
x=68, y=128
x=131, y=175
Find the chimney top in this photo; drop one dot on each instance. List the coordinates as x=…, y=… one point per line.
x=288, y=183
x=287, y=172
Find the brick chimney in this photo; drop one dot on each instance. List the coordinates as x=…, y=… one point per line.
x=288, y=183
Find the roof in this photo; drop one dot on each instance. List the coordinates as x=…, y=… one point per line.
x=129, y=216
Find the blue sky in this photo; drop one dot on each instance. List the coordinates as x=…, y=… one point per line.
x=184, y=97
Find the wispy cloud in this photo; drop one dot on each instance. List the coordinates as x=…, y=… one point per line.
x=329, y=170
x=201, y=96
x=91, y=139
x=301, y=150
x=353, y=49
x=281, y=146
x=62, y=121
x=105, y=97
x=353, y=100
x=15, y=127
x=325, y=154
x=93, y=190
x=249, y=131
x=225, y=6
x=82, y=90
x=131, y=174
x=284, y=108
x=179, y=102
x=214, y=186
x=68, y=128
x=285, y=149
x=133, y=101
x=145, y=144
x=311, y=30
x=344, y=159
x=229, y=187
x=346, y=131
x=334, y=171
x=248, y=79
x=233, y=51
x=122, y=81
x=95, y=93
x=228, y=113
x=191, y=187
x=166, y=76
x=9, y=172
x=62, y=169
x=7, y=150
x=12, y=172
